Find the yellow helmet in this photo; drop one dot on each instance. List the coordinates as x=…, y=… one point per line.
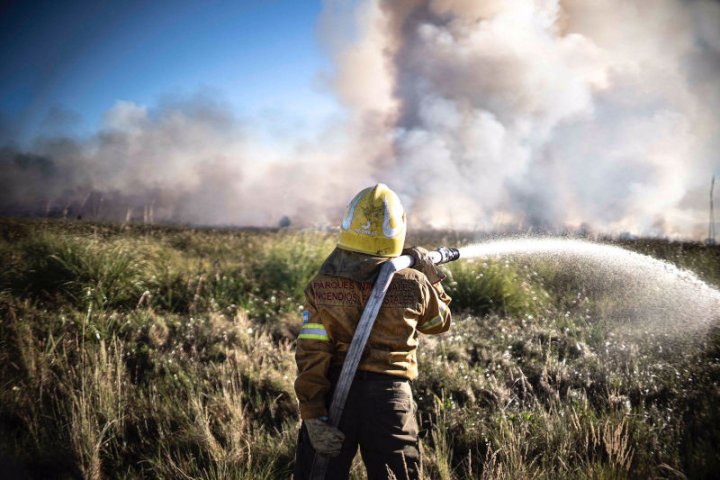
x=374, y=223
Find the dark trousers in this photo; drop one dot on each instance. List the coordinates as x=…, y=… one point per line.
x=379, y=417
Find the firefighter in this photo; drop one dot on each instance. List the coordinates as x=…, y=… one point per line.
x=380, y=413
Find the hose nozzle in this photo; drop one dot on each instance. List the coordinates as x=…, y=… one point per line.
x=445, y=255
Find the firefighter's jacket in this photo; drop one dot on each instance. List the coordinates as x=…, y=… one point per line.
x=334, y=302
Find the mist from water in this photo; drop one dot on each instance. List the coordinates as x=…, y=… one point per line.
x=630, y=288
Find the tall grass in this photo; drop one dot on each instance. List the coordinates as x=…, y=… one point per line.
x=168, y=353
x=494, y=287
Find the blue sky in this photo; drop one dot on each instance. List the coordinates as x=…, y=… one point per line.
x=72, y=60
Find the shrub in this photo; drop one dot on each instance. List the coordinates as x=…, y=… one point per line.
x=493, y=288
x=58, y=267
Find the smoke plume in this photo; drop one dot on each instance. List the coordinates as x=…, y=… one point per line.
x=483, y=115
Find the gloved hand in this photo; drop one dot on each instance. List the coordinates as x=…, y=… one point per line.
x=424, y=264
x=325, y=439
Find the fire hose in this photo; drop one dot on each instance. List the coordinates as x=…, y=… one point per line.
x=362, y=333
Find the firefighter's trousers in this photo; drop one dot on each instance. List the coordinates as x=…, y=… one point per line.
x=379, y=417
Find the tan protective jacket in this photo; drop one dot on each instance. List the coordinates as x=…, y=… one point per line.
x=334, y=302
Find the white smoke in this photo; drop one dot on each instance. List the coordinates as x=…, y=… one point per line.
x=190, y=160
x=543, y=112
x=480, y=114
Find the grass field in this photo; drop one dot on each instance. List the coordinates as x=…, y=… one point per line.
x=167, y=352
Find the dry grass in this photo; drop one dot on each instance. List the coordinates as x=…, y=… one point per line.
x=168, y=353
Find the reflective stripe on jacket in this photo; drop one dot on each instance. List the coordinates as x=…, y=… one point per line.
x=334, y=301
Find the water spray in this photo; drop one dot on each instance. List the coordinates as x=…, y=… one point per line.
x=362, y=333
x=647, y=291
x=664, y=291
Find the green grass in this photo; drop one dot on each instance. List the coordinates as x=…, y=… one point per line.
x=167, y=352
